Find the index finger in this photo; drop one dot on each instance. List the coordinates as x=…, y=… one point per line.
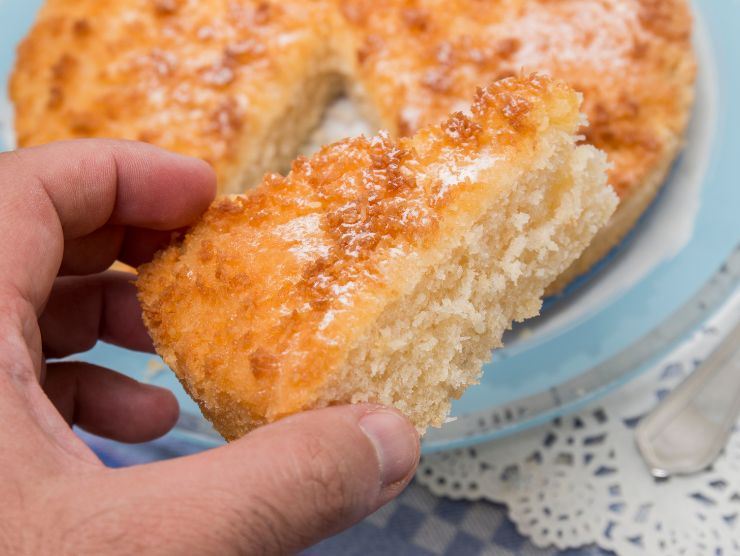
x=69, y=189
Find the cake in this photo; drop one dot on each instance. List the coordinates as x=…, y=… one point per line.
x=380, y=270
x=242, y=83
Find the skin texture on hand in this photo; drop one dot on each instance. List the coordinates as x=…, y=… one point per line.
x=67, y=211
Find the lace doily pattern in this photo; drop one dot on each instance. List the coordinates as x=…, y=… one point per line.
x=580, y=480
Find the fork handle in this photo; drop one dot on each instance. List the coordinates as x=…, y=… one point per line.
x=688, y=430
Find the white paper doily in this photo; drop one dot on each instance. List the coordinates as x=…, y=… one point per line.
x=580, y=480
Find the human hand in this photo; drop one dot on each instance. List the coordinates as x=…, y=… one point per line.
x=67, y=211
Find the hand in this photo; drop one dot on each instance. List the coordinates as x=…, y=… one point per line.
x=67, y=211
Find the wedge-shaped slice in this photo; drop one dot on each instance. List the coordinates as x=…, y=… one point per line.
x=380, y=270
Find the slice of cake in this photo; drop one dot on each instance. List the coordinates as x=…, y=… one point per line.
x=380, y=270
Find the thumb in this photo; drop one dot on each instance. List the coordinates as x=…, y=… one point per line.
x=282, y=487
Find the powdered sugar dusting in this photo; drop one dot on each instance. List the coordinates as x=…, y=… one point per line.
x=451, y=174
x=572, y=35
x=305, y=231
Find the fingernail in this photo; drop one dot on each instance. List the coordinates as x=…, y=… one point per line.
x=395, y=443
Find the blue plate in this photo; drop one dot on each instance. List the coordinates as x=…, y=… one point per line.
x=652, y=291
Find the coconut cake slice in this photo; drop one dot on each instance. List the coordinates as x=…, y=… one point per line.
x=380, y=270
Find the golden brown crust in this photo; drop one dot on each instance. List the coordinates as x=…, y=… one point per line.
x=198, y=78
x=329, y=245
x=211, y=78
x=631, y=59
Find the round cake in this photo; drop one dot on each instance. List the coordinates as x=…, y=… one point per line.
x=242, y=83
